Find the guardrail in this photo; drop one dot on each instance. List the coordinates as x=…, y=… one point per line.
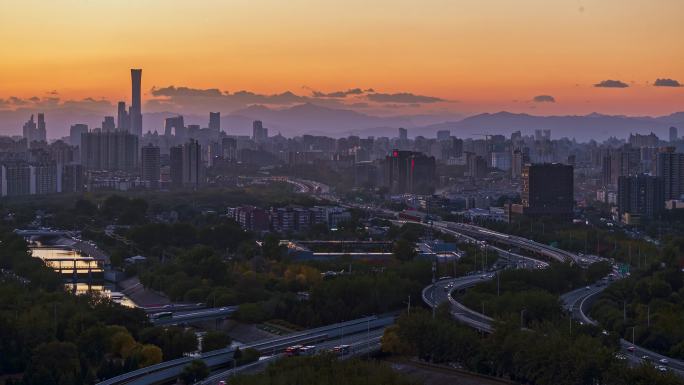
x=169, y=370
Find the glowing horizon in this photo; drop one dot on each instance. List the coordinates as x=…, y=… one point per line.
x=479, y=57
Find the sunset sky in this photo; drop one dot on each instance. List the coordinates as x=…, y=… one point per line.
x=470, y=55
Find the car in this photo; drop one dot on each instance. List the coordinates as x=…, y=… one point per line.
x=645, y=357
x=664, y=361
x=662, y=368
x=588, y=288
x=221, y=382
x=631, y=348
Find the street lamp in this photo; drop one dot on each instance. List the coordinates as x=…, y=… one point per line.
x=522, y=313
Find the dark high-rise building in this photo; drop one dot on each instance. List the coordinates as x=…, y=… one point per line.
x=174, y=126
x=670, y=166
x=518, y=161
x=403, y=134
x=547, y=189
x=259, y=132
x=443, y=134
x=136, y=99
x=476, y=165
x=75, y=133
x=409, y=172
x=193, y=168
x=673, y=134
x=72, y=178
x=108, y=124
x=112, y=151
x=123, y=120
x=150, y=165
x=15, y=179
x=229, y=148
x=42, y=130
x=641, y=195
x=176, y=166
x=215, y=121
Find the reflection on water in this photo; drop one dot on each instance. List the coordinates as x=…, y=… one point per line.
x=64, y=260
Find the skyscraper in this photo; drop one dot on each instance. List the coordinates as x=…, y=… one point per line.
x=75, y=133
x=176, y=166
x=547, y=189
x=193, y=168
x=215, y=121
x=123, y=121
x=409, y=172
x=136, y=109
x=673, y=134
x=641, y=195
x=174, y=126
x=112, y=151
x=259, y=132
x=41, y=134
x=670, y=166
x=150, y=165
x=108, y=124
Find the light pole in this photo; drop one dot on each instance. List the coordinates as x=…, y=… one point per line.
x=522, y=313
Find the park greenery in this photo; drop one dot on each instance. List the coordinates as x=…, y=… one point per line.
x=648, y=306
x=51, y=336
x=323, y=370
x=549, y=355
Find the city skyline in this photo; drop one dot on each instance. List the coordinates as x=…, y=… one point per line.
x=436, y=58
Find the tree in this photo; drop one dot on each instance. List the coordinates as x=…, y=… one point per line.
x=195, y=371
x=149, y=355
x=214, y=340
x=54, y=363
x=404, y=250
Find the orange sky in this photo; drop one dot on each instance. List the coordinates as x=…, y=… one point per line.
x=486, y=54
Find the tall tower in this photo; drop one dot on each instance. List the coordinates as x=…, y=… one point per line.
x=215, y=121
x=122, y=121
x=136, y=110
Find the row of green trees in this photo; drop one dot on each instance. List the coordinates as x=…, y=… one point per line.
x=549, y=355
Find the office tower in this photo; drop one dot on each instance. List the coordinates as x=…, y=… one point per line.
x=640, y=195
x=443, y=134
x=229, y=148
x=136, y=109
x=41, y=133
x=670, y=167
x=15, y=179
x=43, y=178
x=123, y=120
x=624, y=162
x=403, y=134
x=639, y=140
x=215, y=121
x=193, y=168
x=111, y=151
x=72, y=178
x=174, y=125
x=150, y=165
x=501, y=160
x=456, y=147
x=108, y=124
x=547, y=189
x=476, y=166
x=176, y=166
x=75, y=133
x=518, y=161
x=252, y=218
x=409, y=172
x=33, y=132
x=673, y=134
x=259, y=132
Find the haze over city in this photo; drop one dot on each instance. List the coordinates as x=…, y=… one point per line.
x=432, y=62
x=231, y=192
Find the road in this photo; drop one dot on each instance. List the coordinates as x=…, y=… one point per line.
x=359, y=343
x=440, y=292
x=578, y=302
x=184, y=317
x=169, y=370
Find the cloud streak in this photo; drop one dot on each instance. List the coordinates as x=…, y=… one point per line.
x=665, y=82
x=611, y=84
x=544, y=99
x=403, y=97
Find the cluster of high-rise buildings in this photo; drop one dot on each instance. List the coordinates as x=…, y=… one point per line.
x=289, y=219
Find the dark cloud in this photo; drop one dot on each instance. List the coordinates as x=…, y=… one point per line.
x=665, y=82
x=544, y=99
x=402, y=97
x=341, y=94
x=611, y=84
x=17, y=101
